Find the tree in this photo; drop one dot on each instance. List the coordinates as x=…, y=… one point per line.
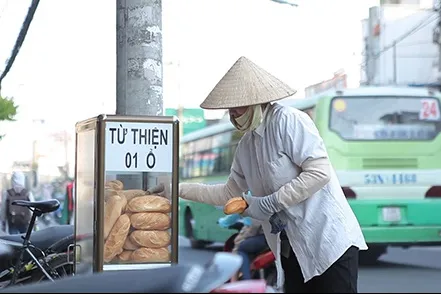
x=8, y=110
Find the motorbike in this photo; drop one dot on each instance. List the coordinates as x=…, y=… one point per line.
x=187, y=278
x=262, y=265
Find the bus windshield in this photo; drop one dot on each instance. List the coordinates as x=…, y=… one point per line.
x=385, y=118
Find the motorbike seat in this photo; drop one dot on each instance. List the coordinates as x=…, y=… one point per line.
x=186, y=278
x=45, y=206
x=130, y=281
x=263, y=260
x=44, y=238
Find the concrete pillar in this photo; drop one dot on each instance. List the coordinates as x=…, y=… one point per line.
x=139, y=63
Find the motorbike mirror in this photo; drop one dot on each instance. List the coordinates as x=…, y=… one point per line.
x=218, y=271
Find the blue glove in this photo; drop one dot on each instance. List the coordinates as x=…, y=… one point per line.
x=266, y=208
x=247, y=221
x=229, y=220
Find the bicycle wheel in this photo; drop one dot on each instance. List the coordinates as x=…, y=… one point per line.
x=62, y=263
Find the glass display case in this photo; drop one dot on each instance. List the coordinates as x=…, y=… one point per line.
x=85, y=194
x=135, y=208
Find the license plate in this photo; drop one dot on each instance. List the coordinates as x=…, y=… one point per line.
x=390, y=179
x=391, y=214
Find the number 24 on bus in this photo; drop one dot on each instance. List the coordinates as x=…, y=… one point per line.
x=429, y=109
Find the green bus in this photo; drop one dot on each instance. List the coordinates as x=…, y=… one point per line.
x=385, y=146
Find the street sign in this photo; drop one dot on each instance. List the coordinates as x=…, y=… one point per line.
x=139, y=147
x=192, y=120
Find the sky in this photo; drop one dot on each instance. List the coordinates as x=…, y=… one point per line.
x=65, y=71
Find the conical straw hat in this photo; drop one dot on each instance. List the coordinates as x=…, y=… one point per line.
x=246, y=84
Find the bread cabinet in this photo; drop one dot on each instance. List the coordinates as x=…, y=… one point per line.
x=126, y=214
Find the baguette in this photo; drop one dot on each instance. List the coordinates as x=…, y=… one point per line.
x=114, y=243
x=108, y=193
x=125, y=255
x=150, y=221
x=235, y=205
x=149, y=203
x=150, y=255
x=132, y=193
x=151, y=239
x=128, y=245
x=112, y=210
x=114, y=185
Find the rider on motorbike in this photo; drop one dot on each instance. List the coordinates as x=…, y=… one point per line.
x=249, y=241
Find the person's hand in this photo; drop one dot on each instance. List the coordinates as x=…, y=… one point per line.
x=278, y=222
x=157, y=190
x=266, y=209
x=257, y=208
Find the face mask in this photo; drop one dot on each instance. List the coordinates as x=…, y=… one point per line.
x=250, y=120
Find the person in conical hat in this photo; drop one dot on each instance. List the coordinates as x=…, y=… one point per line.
x=295, y=193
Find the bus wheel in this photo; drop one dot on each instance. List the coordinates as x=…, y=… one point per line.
x=195, y=244
x=371, y=256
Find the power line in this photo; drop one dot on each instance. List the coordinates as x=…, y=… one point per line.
x=20, y=39
x=418, y=43
x=415, y=29
x=417, y=56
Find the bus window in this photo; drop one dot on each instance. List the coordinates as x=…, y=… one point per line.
x=222, y=160
x=210, y=155
x=388, y=118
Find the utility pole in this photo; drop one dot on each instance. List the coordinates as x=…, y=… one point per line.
x=181, y=109
x=367, y=61
x=394, y=48
x=181, y=119
x=139, y=62
x=438, y=8
x=373, y=44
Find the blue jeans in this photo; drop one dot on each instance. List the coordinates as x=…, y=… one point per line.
x=247, y=247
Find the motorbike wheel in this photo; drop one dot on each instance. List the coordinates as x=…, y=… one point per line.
x=271, y=277
x=62, y=263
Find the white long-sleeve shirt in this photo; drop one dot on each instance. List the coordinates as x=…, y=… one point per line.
x=321, y=226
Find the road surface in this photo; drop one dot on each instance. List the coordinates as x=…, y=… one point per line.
x=415, y=270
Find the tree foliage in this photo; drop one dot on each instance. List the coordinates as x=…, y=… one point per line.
x=8, y=110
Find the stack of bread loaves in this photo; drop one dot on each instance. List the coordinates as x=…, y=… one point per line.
x=136, y=225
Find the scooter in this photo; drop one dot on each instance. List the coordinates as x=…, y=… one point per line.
x=263, y=265
x=208, y=278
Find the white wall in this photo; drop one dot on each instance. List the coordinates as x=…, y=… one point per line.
x=416, y=55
